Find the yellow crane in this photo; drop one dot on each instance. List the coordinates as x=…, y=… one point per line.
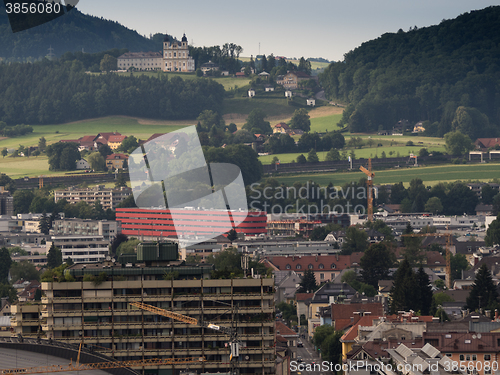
x=369, y=184
x=100, y=365
x=448, y=252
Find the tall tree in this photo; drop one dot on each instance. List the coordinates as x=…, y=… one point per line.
x=54, y=257
x=301, y=120
x=424, y=292
x=484, y=293
x=308, y=283
x=375, y=264
x=312, y=156
x=5, y=263
x=356, y=240
x=43, y=225
x=403, y=289
x=493, y=233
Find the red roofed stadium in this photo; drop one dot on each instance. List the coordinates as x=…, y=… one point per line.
x=159, y=222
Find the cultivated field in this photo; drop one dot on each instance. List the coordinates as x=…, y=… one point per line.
x=429, y=175
x=140, y=128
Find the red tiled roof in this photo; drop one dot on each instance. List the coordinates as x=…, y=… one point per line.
x=283, y=330
x=352, y=333
x=303, y=296
x=87, y=138
x=281, y=262
x=116, y=138
x=434, y=258
x=341, y=311
x=282, y=125
x=116, y=156
x=487, y=142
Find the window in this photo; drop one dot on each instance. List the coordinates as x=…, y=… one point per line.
x=322, y=276
x=474, y=357
x=288, y=266
x=487, y=357
x=321, y=266
x=310, y=266
x=333, y=265
x=467, y=357
x=462, y=357
x=448, y=354
x=298, y=266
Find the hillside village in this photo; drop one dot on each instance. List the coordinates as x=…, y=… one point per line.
x=361, y=278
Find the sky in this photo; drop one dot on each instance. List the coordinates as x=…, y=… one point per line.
x=291, y=28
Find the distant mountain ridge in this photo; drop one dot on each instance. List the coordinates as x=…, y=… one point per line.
x=447, y=75
x=72, y=32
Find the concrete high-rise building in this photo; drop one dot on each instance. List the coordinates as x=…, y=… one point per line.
x=6, y=202
x=93, y=307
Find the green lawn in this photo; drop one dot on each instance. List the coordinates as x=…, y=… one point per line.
x=327, y=123
x=272, y=106
x=228, y=82
x=364, y=153
x=124, y=125
x=430, y=175
x=23, y=166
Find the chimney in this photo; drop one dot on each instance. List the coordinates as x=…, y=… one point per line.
x=357, y=316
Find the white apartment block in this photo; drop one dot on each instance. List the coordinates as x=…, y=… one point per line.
x=81, y=249
x=109, y=198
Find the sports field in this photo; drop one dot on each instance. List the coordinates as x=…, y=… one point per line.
x=429, y=175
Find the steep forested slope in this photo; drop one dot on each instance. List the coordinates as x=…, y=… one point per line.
x=72, y=32
x=448, y=75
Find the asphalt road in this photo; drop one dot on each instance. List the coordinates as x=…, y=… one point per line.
x=309, y=359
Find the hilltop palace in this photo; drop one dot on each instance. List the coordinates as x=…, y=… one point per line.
x=175, y=58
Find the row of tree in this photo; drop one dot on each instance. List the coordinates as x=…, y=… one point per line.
x=55, y=92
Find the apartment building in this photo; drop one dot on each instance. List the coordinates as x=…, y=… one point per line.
x=98, y=313
x=108, y=229
x=109, y=198
x=81, y=249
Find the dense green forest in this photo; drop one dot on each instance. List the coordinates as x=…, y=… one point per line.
x=56, y=92
x=447, y=75
x=72, y=32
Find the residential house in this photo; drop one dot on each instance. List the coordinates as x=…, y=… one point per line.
x=115, y=141
x=116, y=161
x=268, y=88
x=281, y=128
x=209, y=67
x=484, y=144
x=311, y=102
x=419, y=128
x=467, y=347
x=302, y=302
x=251, y=93
x=324, y=267
x=82, y=164
x=290, y=81
x=286, y=289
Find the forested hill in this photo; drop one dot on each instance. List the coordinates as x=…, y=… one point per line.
x=447, y=74
x=72, y=32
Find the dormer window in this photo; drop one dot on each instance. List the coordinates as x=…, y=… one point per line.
x=310, y=266
x=321, y=266
x=298, y=266
x=333, y=265
x=288, y=267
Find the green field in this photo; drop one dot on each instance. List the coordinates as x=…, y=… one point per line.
x=23, y=166
x=272, y=106
x=324, y=124
x=228, y=82
x=429, y=175
x=74, y=130
x=364, y=153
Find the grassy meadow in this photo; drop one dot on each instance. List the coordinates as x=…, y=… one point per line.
x=140, y=128
x=429, y=175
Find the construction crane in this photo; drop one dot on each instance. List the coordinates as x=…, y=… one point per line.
x=448, y=252
x=234, y=342
x=369, y=184
x=100, y=365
